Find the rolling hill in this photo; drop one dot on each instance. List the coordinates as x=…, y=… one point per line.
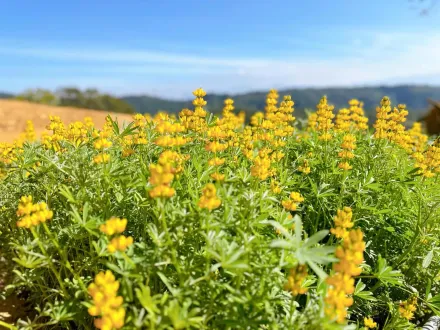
x=15, y=113
x=413, y=96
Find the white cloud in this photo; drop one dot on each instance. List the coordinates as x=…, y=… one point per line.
x=368, y=58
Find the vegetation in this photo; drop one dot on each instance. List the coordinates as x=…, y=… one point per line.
x=415, y=97
x=73, y=97
x=199, y=222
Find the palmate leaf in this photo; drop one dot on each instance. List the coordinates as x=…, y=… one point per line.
x=31, y=260
x=360, y=293
x=306, y=252
x=386, y=274
x=143, y=293
x=434, y=304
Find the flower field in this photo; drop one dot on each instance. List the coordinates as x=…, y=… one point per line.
x=191, y=221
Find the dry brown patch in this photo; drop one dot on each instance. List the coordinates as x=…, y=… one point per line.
x=13, y=116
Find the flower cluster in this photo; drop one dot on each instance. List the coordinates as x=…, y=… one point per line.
x=209, y=199
x=216, y=145
x=58, y=134
x=9, y=152
x=343, y=120
x=169, y=165
x=408, y=307
x=389, y=123
x=115, y=226
x=28, y=134
x=358, y=119
x=261, y=167
x=348, y=145
x=195, y=120
x=101, y=143
x=291, y=204
x=429, y=161
x=305, y=167
x=312, y=122
x=324, y=119
x=169, y=134
x=295, y=280
x=106, y=303
x=342, y=223
x=32, y=214
x=341, y=283
x=369, y=323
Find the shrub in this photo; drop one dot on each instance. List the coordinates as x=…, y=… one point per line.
x=198, y=222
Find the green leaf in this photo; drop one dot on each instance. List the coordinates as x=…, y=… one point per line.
x=167, y=283
x=386, y=274
x=144, y=296
x=318, y=270
x=427, y=261
x=434, y=304
x=365, y=295
x=317, y=237
x=282, y=244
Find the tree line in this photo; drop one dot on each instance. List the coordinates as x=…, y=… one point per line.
x=73, y=97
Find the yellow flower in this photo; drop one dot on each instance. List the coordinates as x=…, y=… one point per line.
x=209, y=199
x=119, y=243
x=276, y=189
x=342, y=223
x=369, y=323
x=350, y=255
x=292, y=203
x=218, y=176
x=295, y=280
x=296, y=197
x=408, y=307
x=113, y=226
x=324, y=119
x=216, y=161
x=106, y=302
x=32, y=214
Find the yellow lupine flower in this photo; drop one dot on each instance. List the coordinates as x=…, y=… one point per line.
x=32, y=214
x=119, y=243
x=369, y=323
x=106, y=302
x=209, y=199
x=113, y=226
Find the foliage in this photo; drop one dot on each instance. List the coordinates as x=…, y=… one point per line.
x=305, y=98
x=227, y=227
x=73, y=97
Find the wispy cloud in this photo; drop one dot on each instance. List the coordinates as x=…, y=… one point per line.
x=364, y=58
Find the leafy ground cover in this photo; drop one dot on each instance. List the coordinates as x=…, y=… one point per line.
x=199, y=222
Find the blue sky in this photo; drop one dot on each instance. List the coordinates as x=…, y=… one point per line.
x=168, y=48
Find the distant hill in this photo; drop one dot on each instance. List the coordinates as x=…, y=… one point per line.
x=5, y=95
x=412, y=95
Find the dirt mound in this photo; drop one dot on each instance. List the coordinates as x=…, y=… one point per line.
x=14, y=114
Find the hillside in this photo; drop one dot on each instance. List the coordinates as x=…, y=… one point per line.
x=6, y=95
x=15, y=113
x=413, y=96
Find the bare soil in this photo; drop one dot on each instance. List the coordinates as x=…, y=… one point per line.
x=13, y=116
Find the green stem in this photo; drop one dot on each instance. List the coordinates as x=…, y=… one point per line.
x=51, y=265
x=402, y=259
x=8, y=326
x=64, y=258
x=163, y=222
